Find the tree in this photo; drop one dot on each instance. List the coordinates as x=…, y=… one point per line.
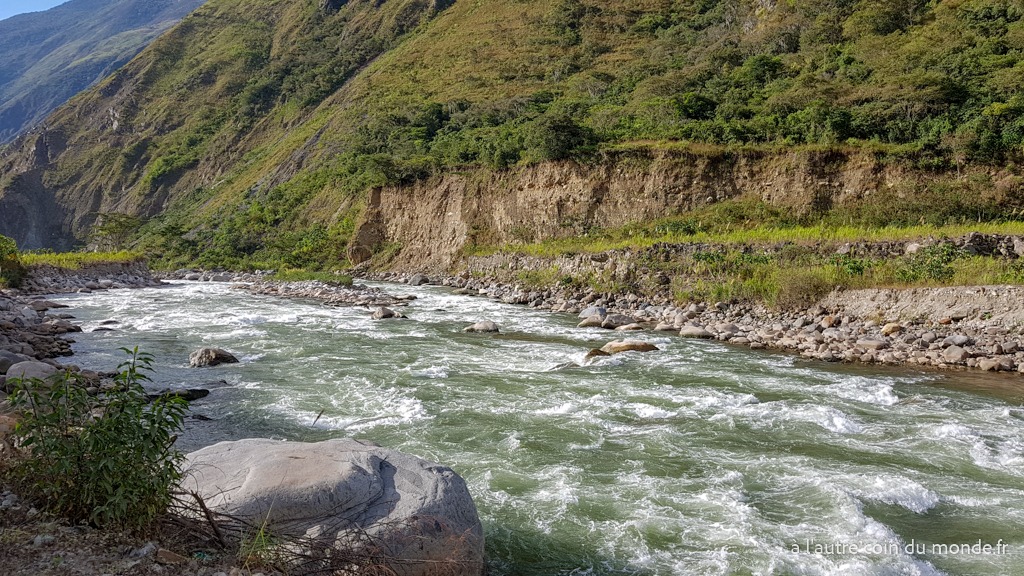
x=112, y=230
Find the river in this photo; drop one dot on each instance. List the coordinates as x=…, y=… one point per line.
x=700, y=458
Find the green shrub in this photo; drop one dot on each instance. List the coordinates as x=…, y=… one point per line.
x=108, y=460
x=931, y=264
x=11, y=269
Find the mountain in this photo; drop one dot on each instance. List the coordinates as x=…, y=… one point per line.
x=297, y=132
x=48, y=57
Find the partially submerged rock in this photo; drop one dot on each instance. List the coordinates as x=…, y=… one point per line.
x=483, y=327
x=384, y=313
x=211, y=357
x=414, y=517
x=619, y=346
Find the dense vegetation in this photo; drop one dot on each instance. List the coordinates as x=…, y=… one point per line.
x=255, y=127
x=48, y=57
x=105, y=459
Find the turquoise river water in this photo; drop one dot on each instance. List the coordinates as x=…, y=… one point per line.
x=700, y=458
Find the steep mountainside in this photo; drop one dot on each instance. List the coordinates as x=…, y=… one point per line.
x=252, y=132
x=48, y=57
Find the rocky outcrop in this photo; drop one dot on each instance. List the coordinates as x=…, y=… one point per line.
x=379, y=506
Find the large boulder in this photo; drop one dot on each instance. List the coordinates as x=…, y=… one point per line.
x=31, y=370
x=211, y=357
x=389, y=508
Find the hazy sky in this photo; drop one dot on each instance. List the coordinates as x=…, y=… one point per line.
x=9, y=8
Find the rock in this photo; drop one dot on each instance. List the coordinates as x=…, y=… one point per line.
x=147, y=550
x=956, y=340
x=418, y=280
x=619, y=346
x=8, y=359
x=891, y=328
x=346, y=493
x=872, y=344
x=1018, y=246
x=593, y=311
x=189, y=395
x=482, y=327
x=630, y=328
x=591, y=322
x=383, y=313
x=211, y=357
x=955, y=354
x=666, y=327
x=691, y=331
x=594, y=353
x=168, y=558
x=43, y=540
x=613, y=321
x=989, y=364
x=31, y=370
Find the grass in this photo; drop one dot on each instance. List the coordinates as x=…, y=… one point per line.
x=78, y=260
x=790, y=277
x=293, y=275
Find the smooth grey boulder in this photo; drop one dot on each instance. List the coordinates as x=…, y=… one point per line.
x=31, y=370
x=485, y=326
x=418, y=280
x=593, y=311
x=210, y=357
x=414, y=517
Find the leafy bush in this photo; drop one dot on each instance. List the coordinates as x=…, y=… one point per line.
x=11, y=270
x=932, y=263
x=108, y=460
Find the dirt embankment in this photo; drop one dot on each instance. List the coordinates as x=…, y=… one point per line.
x=431, y=222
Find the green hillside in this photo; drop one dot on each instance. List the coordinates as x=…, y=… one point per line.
x=248, y=134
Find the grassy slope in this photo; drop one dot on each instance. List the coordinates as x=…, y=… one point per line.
x=253, y=127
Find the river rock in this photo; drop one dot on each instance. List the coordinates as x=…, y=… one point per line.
x=955, y=354
x=8, y=359
x=384, y=313
x=594, y=353
x=31, y=370
x=630, y=328
x=404, y=514
x=619, y=346
x=613, y=321
x=188, y=395
x=483, y=327
x=211, y=357
x=691, y=331
x=418, y=280
x=593, y=311
x=591, y=322
x=872, y=344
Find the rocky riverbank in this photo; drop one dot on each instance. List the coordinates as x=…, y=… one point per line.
x=33, y=328
x=949, y=328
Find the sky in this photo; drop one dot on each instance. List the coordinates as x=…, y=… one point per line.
x=9, y=8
